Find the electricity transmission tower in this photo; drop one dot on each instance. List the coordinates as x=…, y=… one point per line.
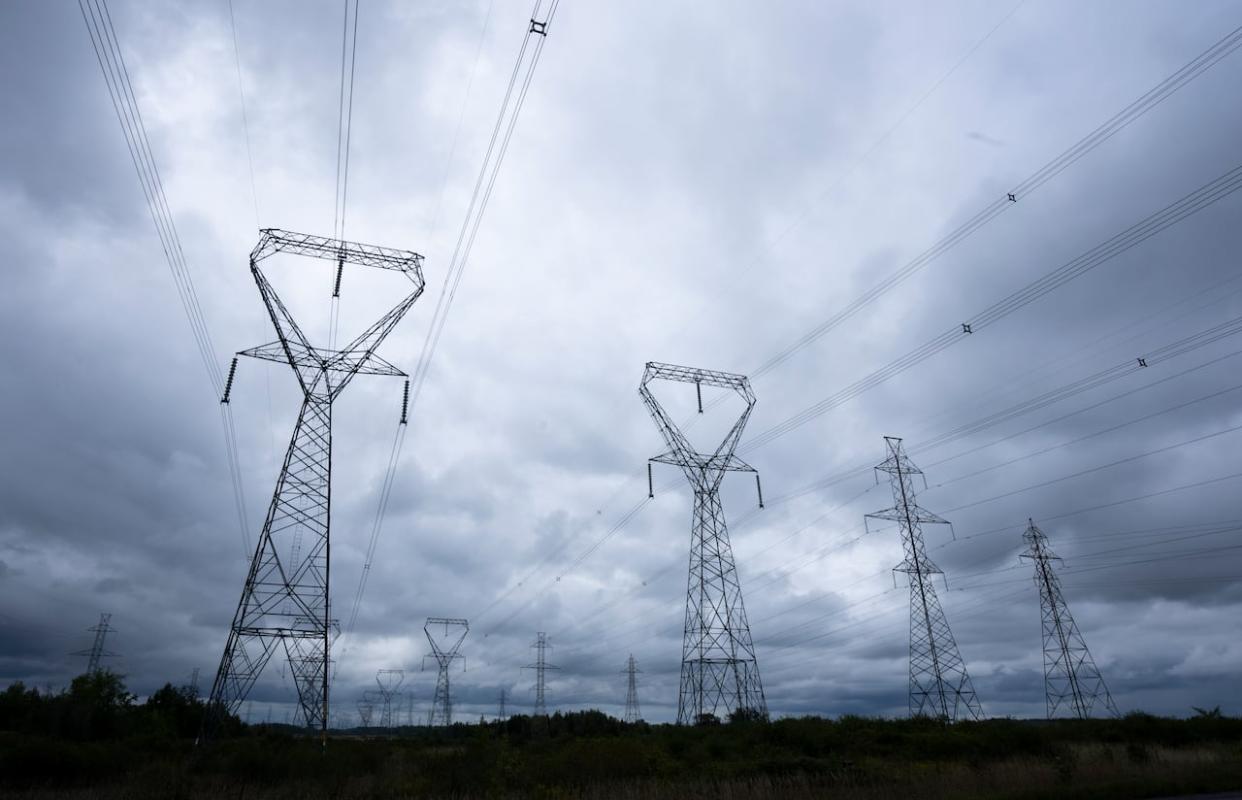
x=194, y=683
x=96, y=651
x=444, y=651
x=939, y=684
x=719, y=671
x=632, y=712
x=541, y=666
x=285, y=596
x=366, y=709
x=1070, y=674
x=389, y=681
x=500, y=714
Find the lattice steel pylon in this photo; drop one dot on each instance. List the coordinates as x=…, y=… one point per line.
x=285, y=597
x=96, y=651
x=632, y=712
x=389, y=681
x=1070, y=675
x=366, y=708
x=444, y=651
x=719, y=671
x=541, y=666
x=500, y=712
x=940, y=687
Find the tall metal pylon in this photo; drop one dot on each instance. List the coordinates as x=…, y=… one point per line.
x=632, y=711
x=939, y=684
x=1070, y=675
x=541, y=666
x=96, y=651
x=366, y=708
x=719, y=671
x=285, y=597
x=444, y=651
x=389, y=681
x=500, y=712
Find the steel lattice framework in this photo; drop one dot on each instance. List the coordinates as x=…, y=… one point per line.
x=389, y=681
x=1070, y=675
x=719, y=671
x=444, y=651
x=541, y=666
x=632, y=712
x=96, y=652
x=365, y=709
x=940, y=687
x=285, y=597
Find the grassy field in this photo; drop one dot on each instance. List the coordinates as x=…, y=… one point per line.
x=590, y=755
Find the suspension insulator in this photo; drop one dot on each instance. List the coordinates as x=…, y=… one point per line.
x=650, y=485
x=759, y=489
x=405, y=401
x=340, y=268
x=228, y=384
x=698, y=388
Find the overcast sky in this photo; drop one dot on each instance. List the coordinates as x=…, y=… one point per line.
x=698, y=185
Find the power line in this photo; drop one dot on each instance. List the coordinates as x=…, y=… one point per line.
x=1118, y=122
x=1114, y=503
x=1166, y=217
x=1098, y=468
x=241, y=94
x=506, y=120
x=488, y=172
x=102, y=32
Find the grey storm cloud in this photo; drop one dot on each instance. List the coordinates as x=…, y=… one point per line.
x=699, y=186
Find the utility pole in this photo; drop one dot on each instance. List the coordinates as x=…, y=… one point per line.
x=939, y=684
x=96, y=651
x=500, y=715
x=389, y=681
x=444, y=650
x=285, y=597
x=632, y=712
x=541, y=666
x=1070, y=674
x=719, y=671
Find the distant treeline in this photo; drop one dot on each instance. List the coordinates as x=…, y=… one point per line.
x=96, y=735
x=98, y=706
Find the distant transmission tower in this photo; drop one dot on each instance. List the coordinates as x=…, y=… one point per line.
x=719, y=671
x=389, y=681
x=444, y=651
x=632, y=711
x=500, y=714
x=1070, y=674
x=96, y=651
x=285, y=597
x=366, y=709
x=939, y=684
x=194, y=683
x=541, y=666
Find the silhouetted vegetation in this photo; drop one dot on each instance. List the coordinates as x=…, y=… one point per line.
x=94, y=740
